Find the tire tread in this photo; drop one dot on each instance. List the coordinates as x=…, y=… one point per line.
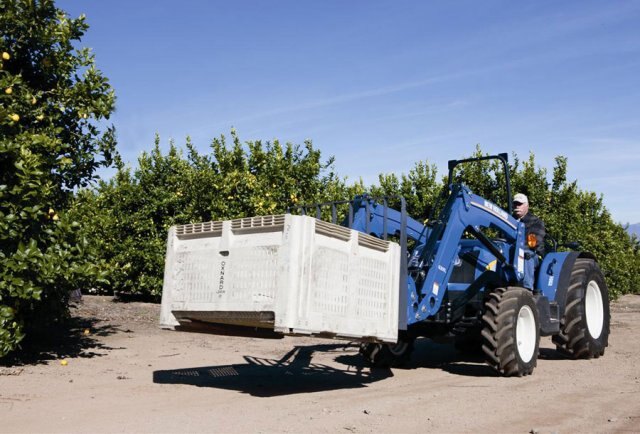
x=574, y=338
x=499, y=320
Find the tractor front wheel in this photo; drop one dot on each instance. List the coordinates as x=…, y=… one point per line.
x=511, y=331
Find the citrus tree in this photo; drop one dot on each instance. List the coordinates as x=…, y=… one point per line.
x=52, y=101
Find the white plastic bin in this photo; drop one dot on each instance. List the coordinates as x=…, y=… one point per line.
x=293, y=274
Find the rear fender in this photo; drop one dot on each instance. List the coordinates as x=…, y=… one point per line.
x=554, y=275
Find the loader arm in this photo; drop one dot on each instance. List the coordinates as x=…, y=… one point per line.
x=374, y=218
x=463, y=212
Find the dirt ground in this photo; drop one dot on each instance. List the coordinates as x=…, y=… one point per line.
x=116, y=371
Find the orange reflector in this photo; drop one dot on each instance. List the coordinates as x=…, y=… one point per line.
x=532, y=241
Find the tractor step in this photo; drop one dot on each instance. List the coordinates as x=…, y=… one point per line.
x=549, y=313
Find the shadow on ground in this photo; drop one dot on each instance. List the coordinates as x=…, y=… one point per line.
x=62, y=341
x=433, y=355
x=551, y=354
x=293, y=373
x=296, y=373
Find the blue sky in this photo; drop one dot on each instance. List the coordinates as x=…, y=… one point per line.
x=383, y=84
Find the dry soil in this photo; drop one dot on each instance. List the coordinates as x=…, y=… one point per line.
x=116, y=371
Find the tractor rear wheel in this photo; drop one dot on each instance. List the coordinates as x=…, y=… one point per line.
x=584, y=327
x=388, y=355
x=511, y=332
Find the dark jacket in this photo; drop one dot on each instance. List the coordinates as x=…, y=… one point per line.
x=534, y=225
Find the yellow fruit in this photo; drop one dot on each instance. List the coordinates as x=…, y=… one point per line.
x=33, y=100
x=86, y=331
x=51, y=211
x=55, y=218
x=6, y=56
x=63, y=362
x=8, y=91
x=40, y=117
x=14, y=117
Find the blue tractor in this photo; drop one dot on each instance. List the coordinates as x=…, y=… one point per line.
x=473, y=276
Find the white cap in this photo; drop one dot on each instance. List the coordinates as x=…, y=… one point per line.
x=520, y=198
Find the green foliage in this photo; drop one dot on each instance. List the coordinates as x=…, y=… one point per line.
x=128, y=217
x=51, y=100
x=418, y=187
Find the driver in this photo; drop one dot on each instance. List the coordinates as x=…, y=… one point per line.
x=533, y=226
x=532, y=223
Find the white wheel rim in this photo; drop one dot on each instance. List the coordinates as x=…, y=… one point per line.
x=526, y=333
x=594, y=309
